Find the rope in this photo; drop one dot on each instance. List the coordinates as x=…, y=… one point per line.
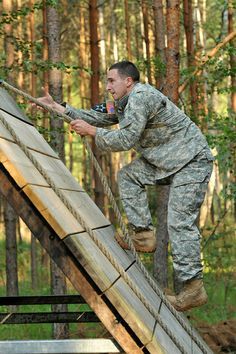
x=108, y=191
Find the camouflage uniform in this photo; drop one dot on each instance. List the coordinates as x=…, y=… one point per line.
x=172, y=150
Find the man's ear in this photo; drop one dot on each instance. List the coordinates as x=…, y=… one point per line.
x=129, y=81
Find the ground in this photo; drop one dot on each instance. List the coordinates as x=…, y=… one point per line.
x=221, y=337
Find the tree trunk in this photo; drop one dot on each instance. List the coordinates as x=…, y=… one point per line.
x=114, y=44
x=128, y=32
x=188, y=26
x=58, y=286
x=233, y=84
x=55, y=78
x=58, y=280
x=173, y=35
x=102, y=37
x=20, y=80
x=172, y=69
x=11, y=253
x=137, y=30
x=146, y=38
x=159, y=43
x=93, y=21
x=232, y=56
x=161, y=254
x=10, y=218
x=33, y=257
x=200, y=82
x=45, y=121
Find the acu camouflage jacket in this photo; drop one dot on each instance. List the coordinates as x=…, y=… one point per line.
x=151, y=124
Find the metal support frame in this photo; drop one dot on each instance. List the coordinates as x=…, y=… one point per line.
x=84, y=316
x=51, y=346
x=71, y=346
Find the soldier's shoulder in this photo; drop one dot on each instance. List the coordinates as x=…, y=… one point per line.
x=146, y=94
x=146, y=90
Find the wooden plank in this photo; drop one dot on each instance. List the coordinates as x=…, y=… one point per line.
x=53, y=210
x=166, y=317
x=154, y=301
x=182, y=336
x=176, y=328
x=94, y=261
x=57, y=171
x=164, y=341
x=87, y=209
x=29, y=135
x=58, y=216
x=133, y=311
x=23, y=171
x=8, y=104
x=70, y=266
x=18, y=165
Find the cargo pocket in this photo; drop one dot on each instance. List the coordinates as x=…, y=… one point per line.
x=190, y=184
x=196, y=171
x=187, y=198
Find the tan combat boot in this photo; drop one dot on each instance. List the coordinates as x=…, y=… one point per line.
x=192, y=295
x=144, y=241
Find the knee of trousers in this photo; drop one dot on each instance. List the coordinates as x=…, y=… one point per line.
x=182, y=225
x=124, y=175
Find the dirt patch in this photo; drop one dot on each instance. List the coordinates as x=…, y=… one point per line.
x=221, y=338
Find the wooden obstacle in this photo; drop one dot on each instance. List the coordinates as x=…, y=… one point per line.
x=86, y=265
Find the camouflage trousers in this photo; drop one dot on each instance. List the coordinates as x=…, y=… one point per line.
x=187, y=191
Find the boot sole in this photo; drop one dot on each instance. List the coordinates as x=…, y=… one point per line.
x=138, y=249
x=196, y=304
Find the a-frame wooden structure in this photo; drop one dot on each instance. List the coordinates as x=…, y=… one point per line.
x=92, y=274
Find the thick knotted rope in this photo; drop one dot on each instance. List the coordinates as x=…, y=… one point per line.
x=108, y=191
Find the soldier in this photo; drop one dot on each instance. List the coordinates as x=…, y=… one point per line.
x=171, y=149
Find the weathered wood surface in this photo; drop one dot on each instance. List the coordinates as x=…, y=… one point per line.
x=28, y=134
x=8, y=104
x=80, y=246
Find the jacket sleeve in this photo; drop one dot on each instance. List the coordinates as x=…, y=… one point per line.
x=91, y=116
x=130, y=129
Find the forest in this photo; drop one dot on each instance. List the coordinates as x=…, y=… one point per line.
x=186, y=49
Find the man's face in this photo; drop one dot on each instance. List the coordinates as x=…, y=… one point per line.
x=117, y=85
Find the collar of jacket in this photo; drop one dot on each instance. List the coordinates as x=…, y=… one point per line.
x=121, y=103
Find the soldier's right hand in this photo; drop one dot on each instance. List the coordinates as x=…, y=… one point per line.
x=45, y=99
x=48, y=101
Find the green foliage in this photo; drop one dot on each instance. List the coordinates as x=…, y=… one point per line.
x=156, y=64
x=13, y=16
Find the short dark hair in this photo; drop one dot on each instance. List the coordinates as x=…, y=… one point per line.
x=126, y=68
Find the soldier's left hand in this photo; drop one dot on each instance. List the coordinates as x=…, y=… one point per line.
x=82, y=128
